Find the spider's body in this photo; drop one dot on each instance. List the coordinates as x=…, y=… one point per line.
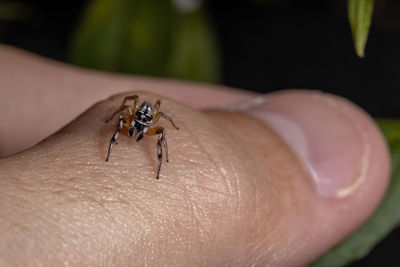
x=139, y=120
x=142, y=120
x=144, y=115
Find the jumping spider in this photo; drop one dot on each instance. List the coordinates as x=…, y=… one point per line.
x=139, y=120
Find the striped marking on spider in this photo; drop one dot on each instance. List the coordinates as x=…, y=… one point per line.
x=138, y=120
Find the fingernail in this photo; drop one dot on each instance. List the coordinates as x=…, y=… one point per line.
x=327, y=132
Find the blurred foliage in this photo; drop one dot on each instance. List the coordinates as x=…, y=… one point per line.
x=157, y=38
x=385, y=218
x=148, y=37
x=360, y=14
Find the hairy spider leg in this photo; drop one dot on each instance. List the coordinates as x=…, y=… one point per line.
x=135, y=99
x=161, y=141
x=165, y=116
x=156, y=108
x=114, y=138
x=121, y=109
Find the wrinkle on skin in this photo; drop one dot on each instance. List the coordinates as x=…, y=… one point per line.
x=256, y=210
x=263, y=183
x=207, y=193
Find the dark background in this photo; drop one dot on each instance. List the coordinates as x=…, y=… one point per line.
x=267, y=47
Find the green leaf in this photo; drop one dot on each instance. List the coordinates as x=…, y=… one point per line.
x=360, y=14
x=146, y=37
x=194, y=54
x=385, y=218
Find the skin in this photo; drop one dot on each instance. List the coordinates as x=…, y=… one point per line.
x=229, y=195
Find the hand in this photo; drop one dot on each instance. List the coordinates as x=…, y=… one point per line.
x=276, y=180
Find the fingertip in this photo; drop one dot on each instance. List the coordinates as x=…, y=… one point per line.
x=342, y=150
x=338, y=142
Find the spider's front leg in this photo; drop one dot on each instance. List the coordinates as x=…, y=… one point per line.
x=156, y=107
x=160, y=142
x=157, y=115
x=165, y=116
x=120, y=110
x=123, y=107
x=114, y=138
x=135, y=99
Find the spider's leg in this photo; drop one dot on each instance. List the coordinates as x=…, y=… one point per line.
x=161, y=140
x=165, y=116
x=120, y=110
x=142, y=133
x=114, y=138
x=135, y=99
x=132, y=128
x=166, y=149
x=156, y=108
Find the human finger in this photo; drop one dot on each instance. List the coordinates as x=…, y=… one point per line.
x=39, y=95
x=260, y=186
